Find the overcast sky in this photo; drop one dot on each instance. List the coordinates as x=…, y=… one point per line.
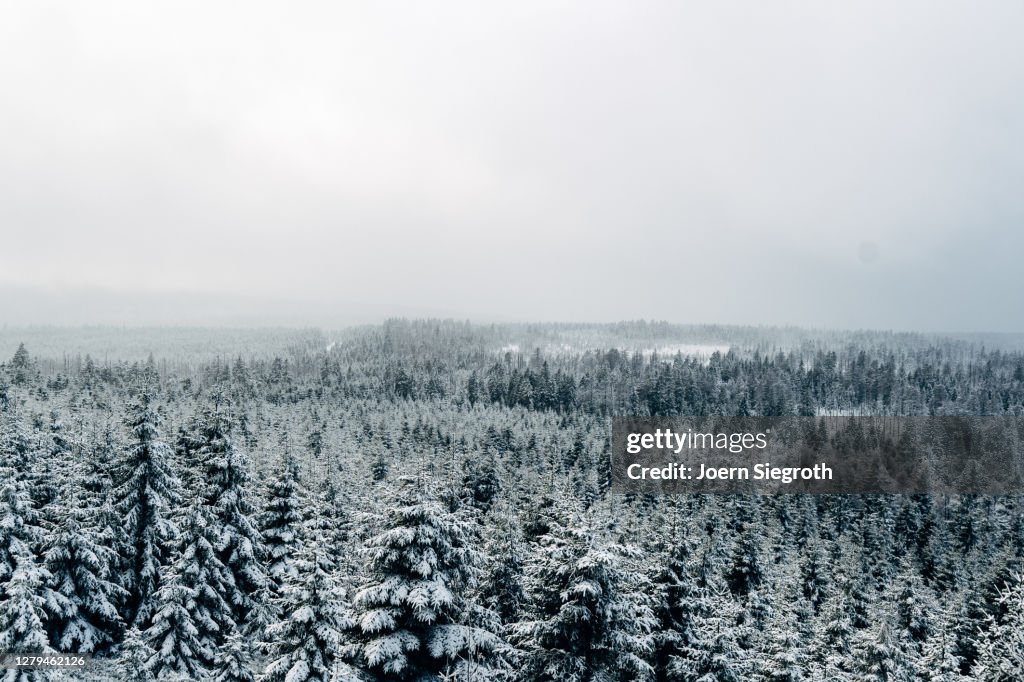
x=851, y=164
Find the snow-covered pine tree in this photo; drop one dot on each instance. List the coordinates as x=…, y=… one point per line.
x=80, y=561
x=1001, y=652
x=146, y=490
x=18, y=530
x=915, y=604
x=938, y=661
x=980, y=605
x=717, y=653
x=23, y=612
x=501, y=590
x=192, y=616
x=329, y=522
x=225, y=473
x=587, y=620
x=52, y=448
x=173, y=635
x=411, y=615
x=21, y=450
x=748, y=566
x=881, y=656
x=135, y=655
x=379, y=467
x=305, y=645
x=831, y=648
x=784, y=646
x=480, y=480
x=21, y=366
x=675, y=598
x=281, y=522
x=233, y=659
x=19, y=538
x=100, y=454
x=814, y=573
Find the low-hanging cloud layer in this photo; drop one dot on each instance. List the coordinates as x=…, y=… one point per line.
x=823, y=164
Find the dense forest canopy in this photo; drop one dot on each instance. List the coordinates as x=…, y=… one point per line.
x=429, y=500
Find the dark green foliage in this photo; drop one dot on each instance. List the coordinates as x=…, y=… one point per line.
x=145, y=493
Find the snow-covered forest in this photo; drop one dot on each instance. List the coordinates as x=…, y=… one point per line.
x=429, y=501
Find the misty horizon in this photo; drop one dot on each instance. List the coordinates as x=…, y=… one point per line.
x=840, y=167
x=27, y=307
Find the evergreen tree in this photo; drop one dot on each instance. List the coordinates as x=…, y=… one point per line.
x=748, y=571
x=411, y=614
x=233, y=659
x=134, y=661
x=502, y=591
x=719, y=654
x=675, y=598
x=1001, y=653
x=144, y=495
x=80, y=561
x=587, y=620
x=328, y=521
x=23, y=611
x=192, y=615
x=881, y=656
x=814, y=574
x=19, y=533
x=237, y=541
x=178, y=646
x=305, y=646
x=281, y=522
x=939, y=662
x=914, y=605
x=831, y=649
x=785, y=648
x=21, y=366
x=480, y=481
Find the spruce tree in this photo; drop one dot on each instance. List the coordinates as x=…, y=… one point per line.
x=786, y=652
x=306, y=644
x=502, y=591
x=146, y=491
x=81, y=561
x=281, y=522
x=939, y=662
x=718, y=655
x=226, y=494
x=1001, y=652
x=717, y=652
x=915, y=605
x=233, y=659
x=134, y=660
x=329, y=522
x=19, y=532
x=21, y=366
x=23, y=611
x=830, y=653
x=675, y=598
x=411, y=615
x=192, y=616
x=480, y=481
x=881, y=656
x=588, y=619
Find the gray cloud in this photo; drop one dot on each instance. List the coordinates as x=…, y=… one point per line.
x=606, y=160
